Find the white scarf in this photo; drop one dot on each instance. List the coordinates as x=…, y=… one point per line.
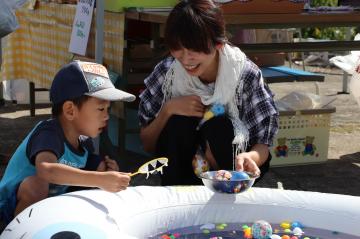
x=228, y=87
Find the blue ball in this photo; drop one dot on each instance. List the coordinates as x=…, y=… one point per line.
x=296, y=224
x=239, y=176
x=217, y=109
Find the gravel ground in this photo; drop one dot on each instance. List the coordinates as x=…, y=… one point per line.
x=339, y=174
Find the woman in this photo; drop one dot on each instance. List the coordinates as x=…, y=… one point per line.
x=203, y=70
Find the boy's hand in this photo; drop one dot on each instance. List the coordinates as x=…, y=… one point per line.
x=108, y=164
x=114, y=181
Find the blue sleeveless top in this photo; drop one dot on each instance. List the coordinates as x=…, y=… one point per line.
x=46, y=136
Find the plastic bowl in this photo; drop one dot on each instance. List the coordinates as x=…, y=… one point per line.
x=232, y=186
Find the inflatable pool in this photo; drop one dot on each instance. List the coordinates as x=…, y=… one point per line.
x=144, y=211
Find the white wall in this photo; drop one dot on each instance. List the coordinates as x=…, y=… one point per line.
x=19, y=90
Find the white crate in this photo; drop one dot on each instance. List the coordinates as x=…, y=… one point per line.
x=303, y=137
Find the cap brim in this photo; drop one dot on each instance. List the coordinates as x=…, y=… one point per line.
x=112, y=94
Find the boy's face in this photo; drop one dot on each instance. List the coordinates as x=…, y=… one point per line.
x=92, y=117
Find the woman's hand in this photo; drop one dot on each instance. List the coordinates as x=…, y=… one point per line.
x=190, y=105
x=244, y=162
x=108, y=164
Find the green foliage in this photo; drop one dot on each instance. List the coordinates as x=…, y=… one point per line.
x=332, y=33
x=317, y=3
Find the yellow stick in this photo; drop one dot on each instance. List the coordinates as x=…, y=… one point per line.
x=147, y=164
x=133, y=174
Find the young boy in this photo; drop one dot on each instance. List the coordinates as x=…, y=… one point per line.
x=54, y=154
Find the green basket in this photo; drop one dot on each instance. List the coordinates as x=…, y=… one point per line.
x=119, y=5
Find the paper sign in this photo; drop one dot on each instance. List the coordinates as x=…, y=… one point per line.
x=81, y=27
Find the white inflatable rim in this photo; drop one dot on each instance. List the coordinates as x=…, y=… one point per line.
x=142, y=211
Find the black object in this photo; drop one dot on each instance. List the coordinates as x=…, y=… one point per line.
x=352, y=3
x=65, y=235
x=179, y=141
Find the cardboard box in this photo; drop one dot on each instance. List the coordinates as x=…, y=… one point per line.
x=303, y=137
x=273, y=35
x=63, y=1
x=141, y=51
x=262, y=6
x=267, y=59
x=237, y=35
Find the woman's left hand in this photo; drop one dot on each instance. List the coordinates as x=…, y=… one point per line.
x=108, y=164
x=244, y=162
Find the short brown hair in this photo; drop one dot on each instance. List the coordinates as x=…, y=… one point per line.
x=56, y=109
x=197, y=25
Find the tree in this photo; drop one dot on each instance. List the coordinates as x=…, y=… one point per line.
x=332, y=33
x=317, y=3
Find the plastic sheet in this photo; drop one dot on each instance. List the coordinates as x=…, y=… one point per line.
x=8, y=21
x=351, y=64
x=303, y=101
x=355, y=83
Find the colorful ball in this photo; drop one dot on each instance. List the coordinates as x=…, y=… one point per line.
x=208, y=115
x=261, y=230
x=223, y=175
x=297, y=231
x=296, y=224
x=285, y=225
x=218, y=109
x=239, y=176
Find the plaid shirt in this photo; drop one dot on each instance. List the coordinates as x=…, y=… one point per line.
x=258, y=110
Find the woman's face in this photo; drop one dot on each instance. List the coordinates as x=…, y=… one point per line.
x=196, y=63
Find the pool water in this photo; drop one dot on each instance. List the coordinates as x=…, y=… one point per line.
x=234, y=230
